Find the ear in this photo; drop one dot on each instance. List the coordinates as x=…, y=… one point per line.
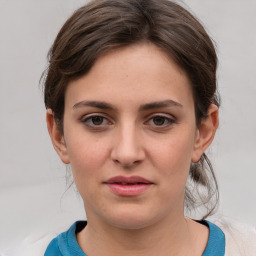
x=56, y=137
x=205, y=133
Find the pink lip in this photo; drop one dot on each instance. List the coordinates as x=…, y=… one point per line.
x=128, y=186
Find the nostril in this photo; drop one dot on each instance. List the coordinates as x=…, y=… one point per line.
x=127, y=164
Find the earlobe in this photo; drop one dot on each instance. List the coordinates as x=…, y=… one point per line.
x=205, y=133
x=56, y=137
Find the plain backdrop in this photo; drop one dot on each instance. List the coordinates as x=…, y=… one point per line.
x=32, y=178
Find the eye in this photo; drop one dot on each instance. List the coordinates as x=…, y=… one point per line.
x=95, y=121
x=160, y=121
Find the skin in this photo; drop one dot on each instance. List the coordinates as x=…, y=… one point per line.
x=134, y=137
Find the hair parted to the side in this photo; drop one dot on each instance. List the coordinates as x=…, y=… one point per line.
x=104, y=25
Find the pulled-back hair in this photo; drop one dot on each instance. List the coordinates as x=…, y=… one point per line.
x=105, y=25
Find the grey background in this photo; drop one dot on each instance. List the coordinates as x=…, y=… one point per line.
x=32, y=178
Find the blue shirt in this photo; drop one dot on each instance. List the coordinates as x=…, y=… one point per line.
x=66, y=244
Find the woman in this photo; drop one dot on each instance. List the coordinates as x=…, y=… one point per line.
x=132, y=106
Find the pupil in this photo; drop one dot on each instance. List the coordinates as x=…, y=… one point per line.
x=97, y=120
x=159, y=120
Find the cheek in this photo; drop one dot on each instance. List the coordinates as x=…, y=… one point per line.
x=171, y=163
x=172, y=160
x=87, y=156
x=87, y=160
x=173, y=156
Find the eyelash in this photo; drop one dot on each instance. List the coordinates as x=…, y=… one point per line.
x=167, y=121
x=88, y=121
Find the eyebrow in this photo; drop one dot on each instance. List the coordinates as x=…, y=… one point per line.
x=97, y=104
x=160, y=104
x=147, y=106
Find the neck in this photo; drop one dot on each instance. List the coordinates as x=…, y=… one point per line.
x=170, y=237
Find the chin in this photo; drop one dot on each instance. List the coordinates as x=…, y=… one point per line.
x=133, y=219
x=131, y=224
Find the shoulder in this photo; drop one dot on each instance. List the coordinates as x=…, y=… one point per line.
x=30, y=246
x=216, y=240
x=240, y=239
x=66, y=243
x=50, y=244
x=53, y=248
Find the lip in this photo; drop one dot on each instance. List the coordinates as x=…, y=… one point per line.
x=128, y=186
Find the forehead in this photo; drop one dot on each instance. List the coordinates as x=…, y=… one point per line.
x=138, y=73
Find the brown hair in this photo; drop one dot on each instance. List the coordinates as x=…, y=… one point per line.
x=103, y=25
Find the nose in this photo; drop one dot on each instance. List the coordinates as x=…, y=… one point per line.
x=128, y=149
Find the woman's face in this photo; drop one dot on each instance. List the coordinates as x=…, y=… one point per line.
x=130, y=135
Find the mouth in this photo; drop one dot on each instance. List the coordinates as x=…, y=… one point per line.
x=128, y=186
